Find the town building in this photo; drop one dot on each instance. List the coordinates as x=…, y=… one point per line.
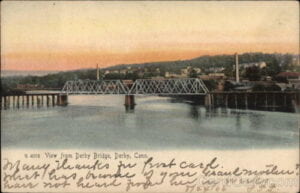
x=292, y=78
x=216, y=76
x=252, y=64
x=215, y=69
x=174, y=75
x=197, y=70
x=123, y=71
x=289, y=75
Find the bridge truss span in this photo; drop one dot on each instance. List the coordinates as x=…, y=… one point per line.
x=115, y=87
x=187, y=86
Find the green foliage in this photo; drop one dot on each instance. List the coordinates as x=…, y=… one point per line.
x=112, y=76
x=253, y=73
x=8, y=87
x=229, y=71
x=131, y=76
x=272, y=68
x=210, y=84
x=287, y=62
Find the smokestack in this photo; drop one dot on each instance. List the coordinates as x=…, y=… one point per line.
x=98, y=75
x=237, y=75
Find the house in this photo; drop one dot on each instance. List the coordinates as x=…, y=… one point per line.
x=124, y=71
x=257, y=64
x=174, y=75
x=115, y=71
x=140, y=73
x=198, y=70
x=289, y=75
x=216, y=75
x=204, y=77
x=186, y=71
x=293, y=79
x=215, y=69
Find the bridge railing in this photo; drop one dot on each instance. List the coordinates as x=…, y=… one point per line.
x=187, y=86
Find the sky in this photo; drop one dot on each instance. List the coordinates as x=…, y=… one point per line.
x=67, y=35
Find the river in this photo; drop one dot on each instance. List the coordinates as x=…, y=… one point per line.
x=157, y=123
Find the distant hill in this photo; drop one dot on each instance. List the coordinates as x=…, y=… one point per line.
x=6, y=73
x=211, y=61
x=51, y=79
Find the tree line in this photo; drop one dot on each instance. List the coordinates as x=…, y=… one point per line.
x=275, y=64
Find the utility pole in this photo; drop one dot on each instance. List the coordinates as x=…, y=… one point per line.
x=237, y=75
x=98, y=74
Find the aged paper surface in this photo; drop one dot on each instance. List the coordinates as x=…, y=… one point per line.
x=100, y=96
x=144, y=171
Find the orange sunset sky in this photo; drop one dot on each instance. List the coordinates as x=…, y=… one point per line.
x=52, y=35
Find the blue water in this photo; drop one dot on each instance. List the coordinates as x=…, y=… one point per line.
x=156, y=123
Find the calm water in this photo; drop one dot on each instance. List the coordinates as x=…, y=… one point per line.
x=156, y=123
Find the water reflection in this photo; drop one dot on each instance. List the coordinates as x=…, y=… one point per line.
x=155, y=123
x=256, y=121
x=129, y=108
x=214, y=113
x=195, y=112
x=238, y=122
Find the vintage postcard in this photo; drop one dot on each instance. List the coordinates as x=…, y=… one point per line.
x=150, y=96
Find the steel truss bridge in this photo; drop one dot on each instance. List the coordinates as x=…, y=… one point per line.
x=185, y=86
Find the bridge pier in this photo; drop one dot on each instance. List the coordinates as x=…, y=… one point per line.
x=18, y=101
x=27, y=100
x=2, y=102
x=62, y=100
x=32, y=100
x=53, y=99
x=8, y=102
x=38, y=101
x=129, y=102
x=42, y=100
x=208, y=100
x=13, y=101
x=48, y=100
x=23, y=100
